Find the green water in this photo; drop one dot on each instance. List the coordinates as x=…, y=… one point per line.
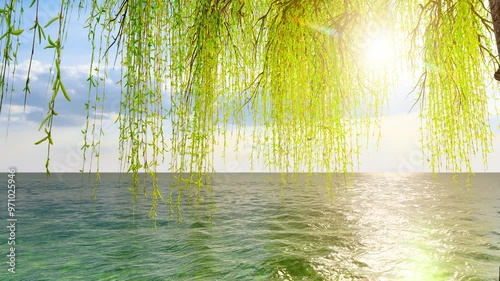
x=384, y=227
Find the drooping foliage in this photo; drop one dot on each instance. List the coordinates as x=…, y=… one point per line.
x=296, y=73
x=455, y=111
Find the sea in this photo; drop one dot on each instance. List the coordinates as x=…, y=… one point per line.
x=253, y=226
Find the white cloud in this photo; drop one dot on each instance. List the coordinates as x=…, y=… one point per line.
x=399, y=150
x=11, y=119
x=16, y=116
x=18, y=149
x=79, y=72
x=37, y=68
x=20, y=109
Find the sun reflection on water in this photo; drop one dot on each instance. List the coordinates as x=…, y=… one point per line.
x=404, y=234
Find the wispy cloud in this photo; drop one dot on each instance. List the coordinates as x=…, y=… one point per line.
x=75, y=78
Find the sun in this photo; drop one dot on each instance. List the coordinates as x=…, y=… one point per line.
x=379, y=51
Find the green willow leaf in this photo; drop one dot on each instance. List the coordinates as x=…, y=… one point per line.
x=16, y=32
x=51, y=21
x=63, y=89
x=42, y=140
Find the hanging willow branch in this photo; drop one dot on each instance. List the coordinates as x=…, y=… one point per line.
x=297, y=71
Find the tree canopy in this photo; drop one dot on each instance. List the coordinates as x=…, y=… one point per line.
x=294, y=72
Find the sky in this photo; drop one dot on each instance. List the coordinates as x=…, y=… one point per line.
x=398, y=150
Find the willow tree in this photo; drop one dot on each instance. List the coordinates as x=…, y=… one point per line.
x=296, y=70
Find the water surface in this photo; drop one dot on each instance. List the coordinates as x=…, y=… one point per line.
x=383, y=227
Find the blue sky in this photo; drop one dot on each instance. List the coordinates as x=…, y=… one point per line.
x=398, y=150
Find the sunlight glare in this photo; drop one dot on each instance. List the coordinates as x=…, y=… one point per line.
x=379, y=50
